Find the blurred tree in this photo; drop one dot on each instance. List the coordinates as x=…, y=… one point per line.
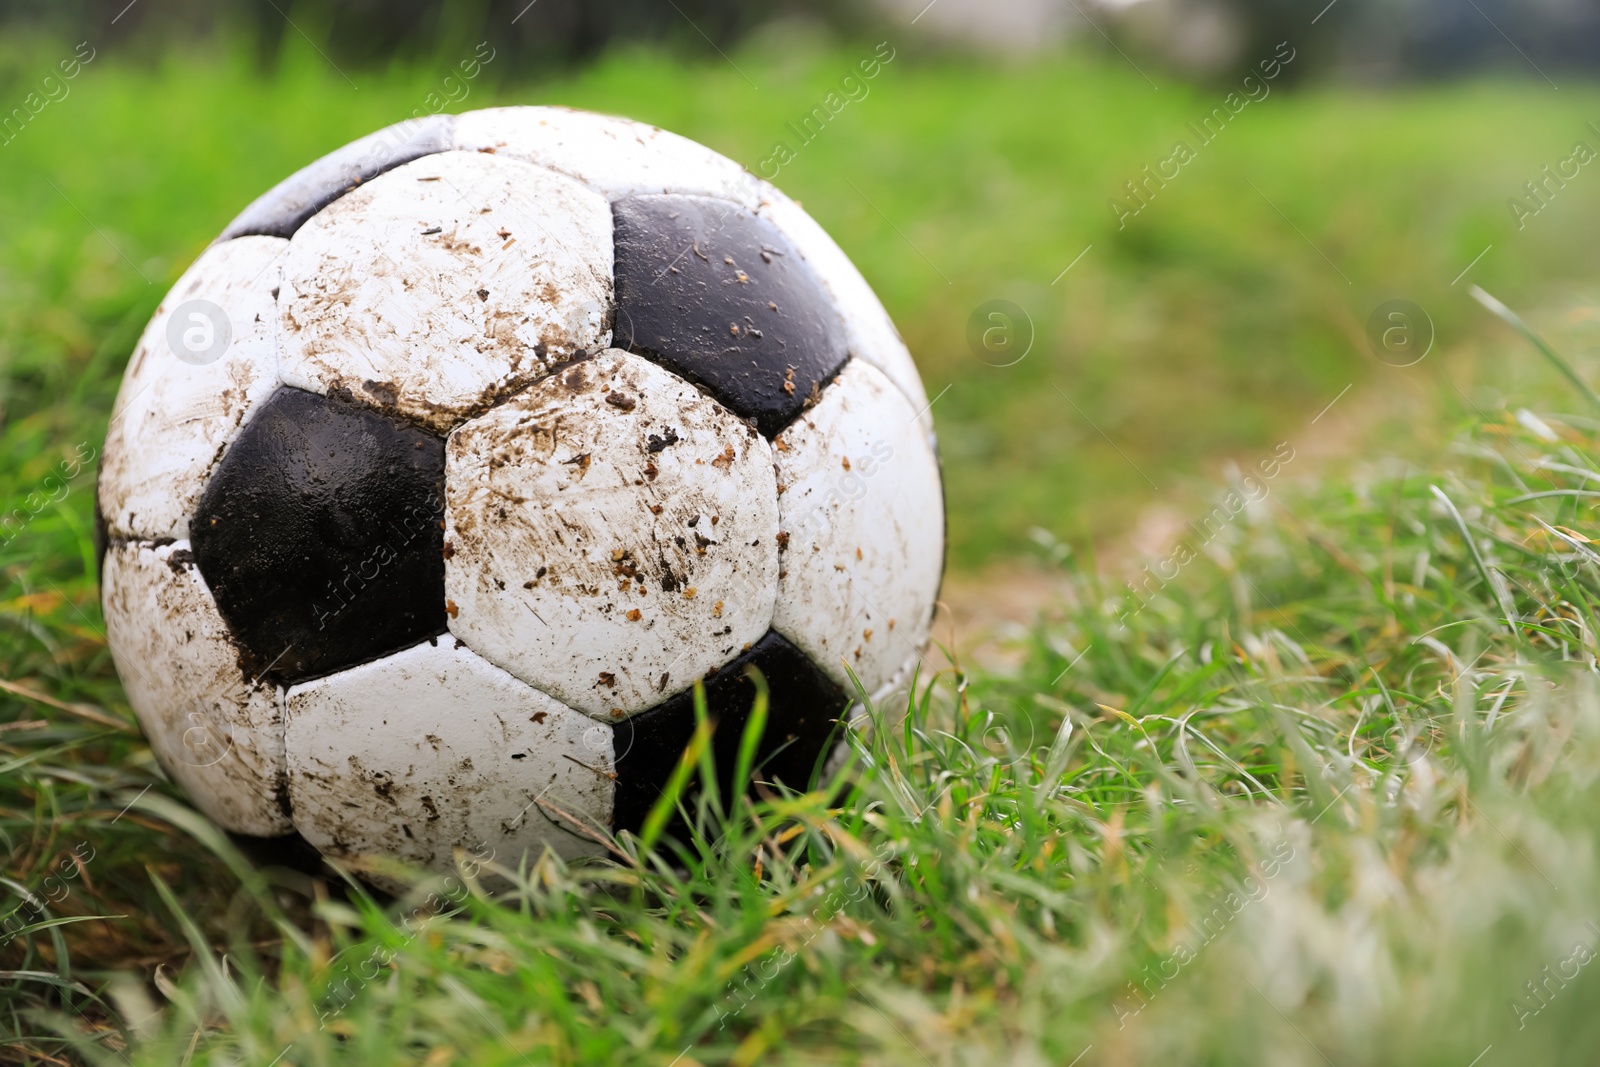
x=1372, y=40
x=1376, y=40
x=535, y=33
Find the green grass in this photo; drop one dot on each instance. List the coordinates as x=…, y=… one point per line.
x=1330, y=797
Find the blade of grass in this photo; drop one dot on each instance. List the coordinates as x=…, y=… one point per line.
x=754, y=728
x=665, y=804
x=1483, y=568
x=1512, y=319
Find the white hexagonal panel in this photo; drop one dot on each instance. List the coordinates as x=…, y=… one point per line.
x=433, y=749
x=219, y=737
x=207, y=358
x=862, y=514
x=446, y=284
x=872, y=336
x=611, y=535
x=613, y=156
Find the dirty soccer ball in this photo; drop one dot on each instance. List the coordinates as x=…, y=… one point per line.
x=449, y=468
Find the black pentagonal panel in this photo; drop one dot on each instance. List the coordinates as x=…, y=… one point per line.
x=716, y=293
x=321, y=536
x=293, y=852
x=284, y=208
x=803, y=706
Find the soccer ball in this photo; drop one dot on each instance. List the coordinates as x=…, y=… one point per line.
x=440, y=478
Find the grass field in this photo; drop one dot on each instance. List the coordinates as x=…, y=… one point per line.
x=1329, y=797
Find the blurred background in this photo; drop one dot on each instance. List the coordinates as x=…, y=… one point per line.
x=1134, y=245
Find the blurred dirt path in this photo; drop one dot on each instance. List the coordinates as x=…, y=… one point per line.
x=983, y=614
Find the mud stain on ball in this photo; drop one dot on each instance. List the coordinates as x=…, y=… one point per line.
x=543, y=496
x=383, y=287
